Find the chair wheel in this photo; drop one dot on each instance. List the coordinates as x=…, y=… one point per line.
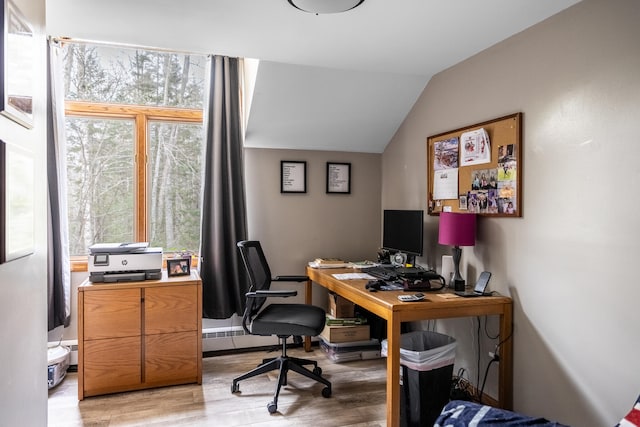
x=317, y=370
x=235, y=388
x=326, y=392
x=272, y=408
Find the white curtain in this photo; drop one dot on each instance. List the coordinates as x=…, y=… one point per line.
x=59, y=266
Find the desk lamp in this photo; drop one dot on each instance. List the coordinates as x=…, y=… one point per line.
x=457, y=229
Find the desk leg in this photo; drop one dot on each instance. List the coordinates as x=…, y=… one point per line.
x=505, y=378
x=308, y=299
x=393, y=372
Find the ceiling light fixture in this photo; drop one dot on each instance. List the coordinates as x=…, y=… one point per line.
x=325, y=6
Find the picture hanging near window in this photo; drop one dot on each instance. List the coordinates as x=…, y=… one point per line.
x=293, y=176
x=17, y=53
x=178, y=267
x=339, y=178
x=17, y=207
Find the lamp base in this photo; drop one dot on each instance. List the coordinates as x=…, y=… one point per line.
x=458, y=285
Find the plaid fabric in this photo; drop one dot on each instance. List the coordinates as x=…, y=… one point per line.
x=460, y=413
x=632, y=419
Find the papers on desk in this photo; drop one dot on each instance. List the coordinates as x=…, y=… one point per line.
x=314, y=264
x=353, y=276
x=362, y=264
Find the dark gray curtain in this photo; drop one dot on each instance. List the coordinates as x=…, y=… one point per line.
x=59, y=268
x=223, y=209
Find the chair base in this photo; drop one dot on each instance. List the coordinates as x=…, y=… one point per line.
x=285, y=363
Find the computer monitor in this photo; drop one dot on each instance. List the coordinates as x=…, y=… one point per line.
x=402, y=231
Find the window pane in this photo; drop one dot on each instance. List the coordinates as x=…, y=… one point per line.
x=100, y=179
x=113, y=74
x=175, y=156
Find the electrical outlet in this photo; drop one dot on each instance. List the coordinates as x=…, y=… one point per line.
x=494, y=356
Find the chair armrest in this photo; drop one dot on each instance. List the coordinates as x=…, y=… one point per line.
x=267, y=294
x=290, y=279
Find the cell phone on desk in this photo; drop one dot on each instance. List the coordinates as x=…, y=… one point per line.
x=479, y=288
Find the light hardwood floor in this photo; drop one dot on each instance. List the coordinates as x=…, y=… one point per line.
x=358, y=398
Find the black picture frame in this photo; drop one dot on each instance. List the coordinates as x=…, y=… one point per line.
x=17, y=53
x=293, y=176
x=338, y=178
x=178, y=267
x=17, y=202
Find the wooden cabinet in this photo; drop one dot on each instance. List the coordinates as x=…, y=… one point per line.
x=137, y=335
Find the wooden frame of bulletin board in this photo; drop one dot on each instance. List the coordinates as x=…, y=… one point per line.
x=477, y=169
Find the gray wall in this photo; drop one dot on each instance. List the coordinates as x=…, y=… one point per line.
x=23, y=288
x=568, y=262
x=297, y=228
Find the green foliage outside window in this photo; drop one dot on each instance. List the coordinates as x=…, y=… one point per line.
x=101, y=150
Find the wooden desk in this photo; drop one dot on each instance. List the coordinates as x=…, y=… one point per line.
x=438, y=305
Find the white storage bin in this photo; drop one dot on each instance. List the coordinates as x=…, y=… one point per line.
x=58, y=363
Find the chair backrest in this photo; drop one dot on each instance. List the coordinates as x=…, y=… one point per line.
x=257, y=268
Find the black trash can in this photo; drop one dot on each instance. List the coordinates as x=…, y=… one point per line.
x=426, y=364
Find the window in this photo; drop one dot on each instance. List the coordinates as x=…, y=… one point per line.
x=134, y=146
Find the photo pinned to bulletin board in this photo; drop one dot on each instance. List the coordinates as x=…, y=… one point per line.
x=477, y=169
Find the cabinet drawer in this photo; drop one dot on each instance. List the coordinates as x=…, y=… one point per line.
x=111, y=365
x=171, y=309
x=112, y=313
x=171, y=358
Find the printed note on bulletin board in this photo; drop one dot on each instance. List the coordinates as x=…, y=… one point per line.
x=477, y=169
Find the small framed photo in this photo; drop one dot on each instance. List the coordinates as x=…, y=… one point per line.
x=293, y=177
x=178, y=267
x=339, y=178
x=463, y=202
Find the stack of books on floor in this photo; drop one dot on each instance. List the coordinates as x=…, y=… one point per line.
x=345, y=336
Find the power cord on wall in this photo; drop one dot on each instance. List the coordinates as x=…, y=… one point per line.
x=495, y=357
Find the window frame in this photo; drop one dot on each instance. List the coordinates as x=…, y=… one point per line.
x=141, y=115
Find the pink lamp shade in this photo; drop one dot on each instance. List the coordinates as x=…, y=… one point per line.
x=457, y=229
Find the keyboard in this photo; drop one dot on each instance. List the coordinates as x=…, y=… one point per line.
x=381, y=273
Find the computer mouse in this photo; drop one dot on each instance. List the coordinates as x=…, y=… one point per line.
x=374, y=285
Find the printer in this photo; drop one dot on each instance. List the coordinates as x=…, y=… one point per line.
x=124, y=262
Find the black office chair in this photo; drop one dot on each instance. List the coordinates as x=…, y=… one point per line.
x=282, y=320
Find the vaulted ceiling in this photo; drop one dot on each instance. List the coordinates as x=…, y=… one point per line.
x=337, y=82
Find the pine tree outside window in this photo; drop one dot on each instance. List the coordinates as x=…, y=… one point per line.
x=134, y=146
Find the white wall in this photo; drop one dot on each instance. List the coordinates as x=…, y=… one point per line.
x=23, y=288
x=569, y=261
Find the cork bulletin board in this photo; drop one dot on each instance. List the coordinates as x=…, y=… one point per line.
x=477, y=169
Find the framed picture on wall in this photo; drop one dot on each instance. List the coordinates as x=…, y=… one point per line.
x=339, y=178
x=17, y=53
x=293, y=176
x=17, y=202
